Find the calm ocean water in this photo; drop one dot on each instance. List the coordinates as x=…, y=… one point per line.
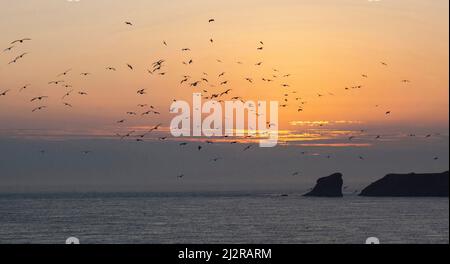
x=237, y=217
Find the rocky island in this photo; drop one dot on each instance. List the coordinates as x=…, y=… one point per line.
x=410, y=185
x=330, y=186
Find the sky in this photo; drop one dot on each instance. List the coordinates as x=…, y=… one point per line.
x=355, y=54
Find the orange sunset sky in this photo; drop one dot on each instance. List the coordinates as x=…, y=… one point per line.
x=324, y=45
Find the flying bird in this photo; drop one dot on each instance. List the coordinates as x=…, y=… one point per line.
x=8, y=49
x=247, y=148
x=226, y=92
x=126, y=135
x=40, y=98
x=17, y=58
x=56, y=82
x=67, y=94
x=64, y=73
x=38, y=108
x=24, y=87
x=155, y=128
x=194, y=83
x=20, y=41
x=4, y=92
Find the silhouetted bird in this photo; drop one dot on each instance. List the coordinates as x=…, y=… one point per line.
x=38, y=98
x=67, y=94
x=8, y=49
x=38, y=108
x=4, y=92
x=24, y=87
x=56, y=82
x=64, y=73
x=20, y=40
x=247, y=148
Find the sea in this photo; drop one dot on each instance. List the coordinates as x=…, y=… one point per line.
x=219, y=217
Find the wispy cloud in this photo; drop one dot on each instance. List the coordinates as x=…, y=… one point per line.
x=323, y=122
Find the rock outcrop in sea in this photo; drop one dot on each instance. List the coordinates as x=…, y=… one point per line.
x=330, y=186
x=410, y=185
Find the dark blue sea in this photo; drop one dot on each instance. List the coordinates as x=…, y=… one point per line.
x=219, y=217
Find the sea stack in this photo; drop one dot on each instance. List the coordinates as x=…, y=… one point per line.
x=409, y=185
x=330, y=186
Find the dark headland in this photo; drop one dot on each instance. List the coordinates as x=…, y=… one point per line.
x=330, y=186
x=410, y=185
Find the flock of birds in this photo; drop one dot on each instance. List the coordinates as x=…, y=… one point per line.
x=206, y=82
